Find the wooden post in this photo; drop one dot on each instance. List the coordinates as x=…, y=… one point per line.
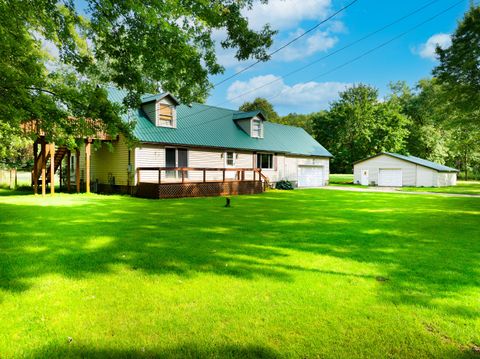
x=183, y=176
x=159, y=176
x=224, y=175
x=254, y=173
x=35, y=168
x=138, y=175
x=204, y=175
x=69, y=159
x=87, y=164
x=44, y=166
x=52, y=168
x=77, y=169
x=60, y=174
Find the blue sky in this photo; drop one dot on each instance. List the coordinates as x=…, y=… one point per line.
x=409, y=58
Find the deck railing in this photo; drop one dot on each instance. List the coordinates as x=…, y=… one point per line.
x=191, y=175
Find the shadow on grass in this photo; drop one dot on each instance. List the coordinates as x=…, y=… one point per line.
x=428, y=248
x=181, y=351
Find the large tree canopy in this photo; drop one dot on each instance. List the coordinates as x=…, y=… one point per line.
x=358, y=125
x=262, y=104
x=140, y=46
x=459, y=68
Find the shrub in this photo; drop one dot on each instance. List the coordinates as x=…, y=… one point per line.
x=286, y=185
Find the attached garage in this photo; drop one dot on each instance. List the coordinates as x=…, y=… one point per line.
x=310, y=176
x=395, y=170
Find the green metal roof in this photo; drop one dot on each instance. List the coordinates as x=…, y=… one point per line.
x=209, y=126
x=422, y=162
x=154, y=97
x=238, y=115
x=415, y=160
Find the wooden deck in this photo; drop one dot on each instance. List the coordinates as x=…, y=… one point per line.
x=182, y=186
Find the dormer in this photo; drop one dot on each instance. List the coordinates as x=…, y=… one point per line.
x=251, y=122
x=161, y=109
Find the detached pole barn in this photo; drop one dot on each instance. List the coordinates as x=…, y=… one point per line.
x=394, y=170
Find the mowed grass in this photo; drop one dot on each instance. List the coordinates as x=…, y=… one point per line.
x=341, y=179
x=462, y=187
x=302, y=274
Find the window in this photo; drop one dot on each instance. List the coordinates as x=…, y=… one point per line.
x=257, y=128
x=165, y=112
x=230, y=159
x=265, y=160
x=176, y=157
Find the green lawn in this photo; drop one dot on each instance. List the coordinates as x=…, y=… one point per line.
x=341, y=179
x=302, y=274
x=464, y=187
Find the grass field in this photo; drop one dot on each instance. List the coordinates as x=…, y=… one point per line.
x=341, y=179
x=463, y=187
x=311, y=273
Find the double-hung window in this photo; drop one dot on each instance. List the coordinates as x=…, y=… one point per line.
x=230, y=159
x=257, y=128
x=265, y=160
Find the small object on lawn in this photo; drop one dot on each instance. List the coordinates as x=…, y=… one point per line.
x=70, y=339
x=381, y=279
x=227, y=203
x=476, y=349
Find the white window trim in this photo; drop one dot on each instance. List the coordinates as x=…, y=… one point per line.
x=273, y=160
x=234, y=159
x=157, y=115
x=261, y=127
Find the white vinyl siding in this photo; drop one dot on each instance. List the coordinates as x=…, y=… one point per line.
x=446, y=179
x=151, y=155
x=413, y=175
x=425, y=177
x=373, y=165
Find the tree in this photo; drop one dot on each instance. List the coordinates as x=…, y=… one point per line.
x=459, y=74
x=428, y=138
x=263, y=105
x=459, y=67
x=358, y=125
x=300, y=120
x=135, y=45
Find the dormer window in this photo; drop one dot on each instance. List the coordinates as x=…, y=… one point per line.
x=161, y=109
x=257, y=128
x=165, y=112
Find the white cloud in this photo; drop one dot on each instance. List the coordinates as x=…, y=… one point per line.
x=427, y=50
x=287, y=14
x=318, y=42
x=308, y=95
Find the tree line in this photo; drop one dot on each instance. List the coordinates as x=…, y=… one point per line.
x=438, y=119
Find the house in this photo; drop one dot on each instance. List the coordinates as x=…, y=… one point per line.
x=190, y=147
x=395, y=170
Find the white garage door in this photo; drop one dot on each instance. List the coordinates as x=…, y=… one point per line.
x=390, y=177
x=310, y=176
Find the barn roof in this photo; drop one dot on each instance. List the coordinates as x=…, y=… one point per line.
x=416, y=160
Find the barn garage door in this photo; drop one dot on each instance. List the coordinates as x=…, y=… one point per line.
x=310, y=176
x=390, y=177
